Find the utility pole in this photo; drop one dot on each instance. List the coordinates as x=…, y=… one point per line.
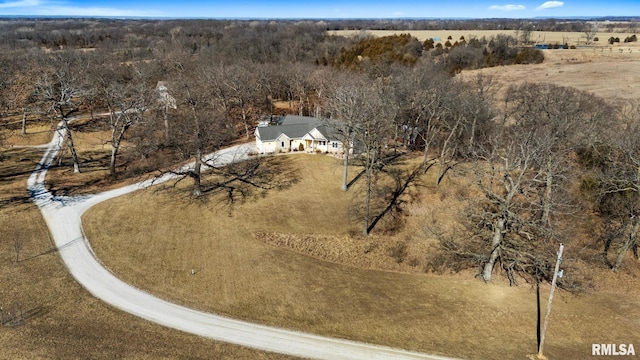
x=553, y=288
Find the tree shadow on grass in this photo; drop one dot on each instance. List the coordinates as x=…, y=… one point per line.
x=251, y=179
x=16, y=315
x=237, y=183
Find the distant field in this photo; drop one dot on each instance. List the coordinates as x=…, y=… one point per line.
x=542, y=37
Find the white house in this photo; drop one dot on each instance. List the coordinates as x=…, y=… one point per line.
x=298, y=133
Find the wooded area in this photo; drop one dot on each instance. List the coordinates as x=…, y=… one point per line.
x=175, y=91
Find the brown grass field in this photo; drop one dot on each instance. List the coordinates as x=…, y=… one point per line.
x=288, y=259
x=541, y=37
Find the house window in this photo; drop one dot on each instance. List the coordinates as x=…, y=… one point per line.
x=323, y=143
x=282, y=144
x=335, y=145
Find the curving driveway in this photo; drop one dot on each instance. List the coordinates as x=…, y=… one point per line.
x=63, y=217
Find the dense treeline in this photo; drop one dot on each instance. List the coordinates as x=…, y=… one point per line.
x=177, y=90
x=629, y=24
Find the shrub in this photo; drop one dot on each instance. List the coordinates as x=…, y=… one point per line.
x=300, y=147
x=596, y=39
x=428, y=44
x=529, y=55
x=398, y=251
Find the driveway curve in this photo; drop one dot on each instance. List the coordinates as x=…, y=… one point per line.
x=63, y=217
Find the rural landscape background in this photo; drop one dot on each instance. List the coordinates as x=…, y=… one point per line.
x=477, y=153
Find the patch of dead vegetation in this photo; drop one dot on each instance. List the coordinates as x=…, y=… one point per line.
x=371, y=253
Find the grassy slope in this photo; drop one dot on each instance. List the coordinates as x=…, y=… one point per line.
x=239, y=276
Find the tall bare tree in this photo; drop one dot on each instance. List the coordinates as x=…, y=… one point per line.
x=562, y=121
x=618, y=189
x=61, y=90
x=367, y=117
x=590, y=30
x=200, y=125
x=19, y=89
x=126, y=92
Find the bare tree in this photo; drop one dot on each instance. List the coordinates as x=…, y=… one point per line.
x=367, y=118
x=590, y=30
x=126, y=94
x=522, y=172
x=618, y=190
x=200, y=121
x=238, y=90
x=61, y=89
x=562, y=121
x=526, y=33
x=19, y=92
x=498, y=230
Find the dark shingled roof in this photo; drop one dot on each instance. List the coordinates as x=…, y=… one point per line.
x=296, y=127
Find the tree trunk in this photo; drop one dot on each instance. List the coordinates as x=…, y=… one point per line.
x=115, y=146
x=367, y=203
x=74, y=155
x=246, y=124
x=24, y=121
x=166, y=123
x=441, y=162
x=539, y=313
x=425, y=155
x=546, y=199
x=498, y=231
x=345, y=167
x=631, y=236
x=112, y=163
x=197, y=188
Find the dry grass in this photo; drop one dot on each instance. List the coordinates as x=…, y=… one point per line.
x=542, y=37
x=239, y=276
x=612, y=75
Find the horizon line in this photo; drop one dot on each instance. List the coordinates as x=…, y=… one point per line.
x=599, y=17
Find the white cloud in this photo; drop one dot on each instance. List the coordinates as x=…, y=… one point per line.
x=507, y=7
x=550, y=5
x=398, y=13
x=23, y=3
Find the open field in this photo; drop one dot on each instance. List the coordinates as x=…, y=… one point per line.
x=612, y=75
x=240, y=276
x=541, y=37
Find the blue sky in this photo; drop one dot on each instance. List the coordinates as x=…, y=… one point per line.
x=323, y=9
